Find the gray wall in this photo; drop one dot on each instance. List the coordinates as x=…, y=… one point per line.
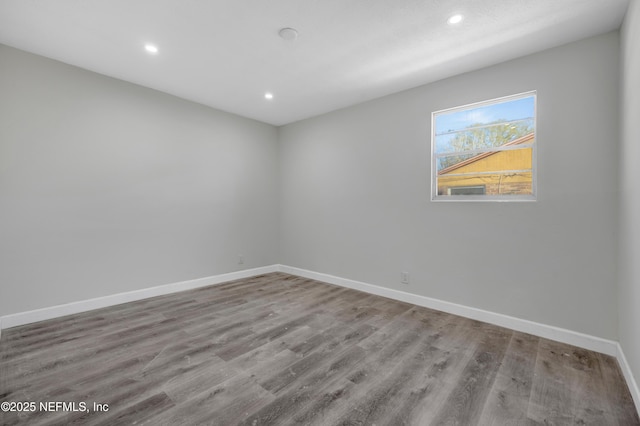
x=630, y=191
x=107, y=187
x=355, y=195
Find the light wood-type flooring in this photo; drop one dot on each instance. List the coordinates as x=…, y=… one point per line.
x=278, y=349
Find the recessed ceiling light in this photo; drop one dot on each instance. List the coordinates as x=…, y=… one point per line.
x=455, y=19
x=151, y=48
x=268, y=95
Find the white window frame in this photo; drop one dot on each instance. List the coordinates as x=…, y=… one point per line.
x=501, y=198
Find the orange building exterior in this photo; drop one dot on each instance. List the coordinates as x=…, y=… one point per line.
x=491, y=173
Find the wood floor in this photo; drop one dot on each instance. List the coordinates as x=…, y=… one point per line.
x=278, y=349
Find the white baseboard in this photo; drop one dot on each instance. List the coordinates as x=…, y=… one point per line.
x=28, y=317
x=628, y=376
x=608, y=347
x=597, y=344
x=585, y=341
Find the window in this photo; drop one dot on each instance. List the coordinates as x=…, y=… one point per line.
x=466, y=190
x=485, y=151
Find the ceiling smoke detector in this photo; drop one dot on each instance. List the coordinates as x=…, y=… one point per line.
x=288, y=34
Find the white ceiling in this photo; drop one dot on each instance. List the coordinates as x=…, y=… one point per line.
x=227, y=53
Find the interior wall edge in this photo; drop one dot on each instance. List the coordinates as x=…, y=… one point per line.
x=632, y=384
x=36, y=315
x=582, y=340
x=585, y=341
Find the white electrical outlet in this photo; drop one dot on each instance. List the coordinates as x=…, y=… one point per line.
x=240, y=259
x=404, y=277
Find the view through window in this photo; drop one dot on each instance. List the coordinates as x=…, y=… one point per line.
x=485, y=151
